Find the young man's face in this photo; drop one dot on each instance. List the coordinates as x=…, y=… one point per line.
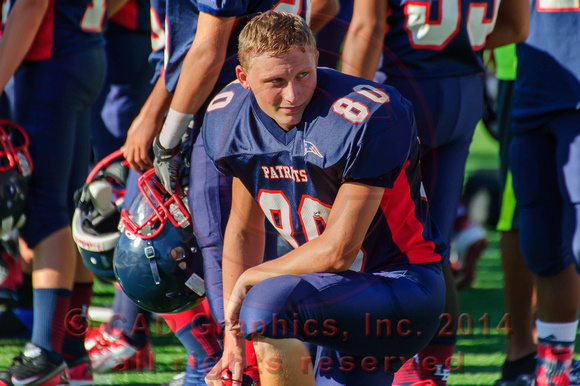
x=283, y=84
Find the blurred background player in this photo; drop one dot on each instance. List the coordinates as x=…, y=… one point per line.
x=433, y=57
x=519, y=288
x=55, y=51
x=544, y=157
x=127, y=85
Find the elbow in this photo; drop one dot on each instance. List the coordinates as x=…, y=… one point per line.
x=332, y=8
x=368, y=30
x=521, y=33
x=341, y=260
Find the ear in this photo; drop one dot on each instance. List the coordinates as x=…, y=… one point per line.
x=242, y=77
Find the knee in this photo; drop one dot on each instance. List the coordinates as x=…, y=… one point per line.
x=270, y=307
x=542, y=262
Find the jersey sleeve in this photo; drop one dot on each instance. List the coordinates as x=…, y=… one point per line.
x=381, y=148
x=223, y=8
x=219, y=129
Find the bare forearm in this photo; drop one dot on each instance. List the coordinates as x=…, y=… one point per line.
x=156, y=106
x=314, y=256
x=19, y=32
x=361, y=54
x=201, y=68
x=338, y=246
x=242, y=250
x=364, y=40
x=194, y=87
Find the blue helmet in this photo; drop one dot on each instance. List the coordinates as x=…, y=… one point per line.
x=15, y=171
x=97, y=214
x=157, y=261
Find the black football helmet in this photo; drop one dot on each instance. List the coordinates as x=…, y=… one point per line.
x=157, y=260
x=97, y=214
x=15, y=171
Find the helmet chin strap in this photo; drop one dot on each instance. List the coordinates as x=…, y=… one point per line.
x=150, y=254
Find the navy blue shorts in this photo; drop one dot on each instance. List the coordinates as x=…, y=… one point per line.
x=447, y=111
x=52, y=100
x=351, y=316
x=546, y=168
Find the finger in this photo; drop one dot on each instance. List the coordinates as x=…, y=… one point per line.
x=147, y=163
x=237, y=374
x=131, y=160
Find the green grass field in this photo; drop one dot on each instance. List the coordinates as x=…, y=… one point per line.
x=480, y=347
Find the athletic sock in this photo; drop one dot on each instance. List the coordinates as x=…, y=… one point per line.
x=197, y=331
x=431, y=363
x=408, y=373
x=555, y=351
x=51, y=306
x=77, y=322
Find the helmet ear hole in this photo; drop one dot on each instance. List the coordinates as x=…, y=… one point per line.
x=178, y=254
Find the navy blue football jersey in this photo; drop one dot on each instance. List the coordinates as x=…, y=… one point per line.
x=548, y=76
x=437, y=38
x=68, y=26
x=352, y=131
x=182, y=19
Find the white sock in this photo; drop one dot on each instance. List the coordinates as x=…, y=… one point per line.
x=561, y=332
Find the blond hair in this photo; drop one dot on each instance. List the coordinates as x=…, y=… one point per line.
x=273, y=33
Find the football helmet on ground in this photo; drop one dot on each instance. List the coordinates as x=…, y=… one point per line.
x=97, y=214
x=15, y=171
x=157, y=260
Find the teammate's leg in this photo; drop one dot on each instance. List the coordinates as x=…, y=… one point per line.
x=519, y=287
x=52, y=127
x=544, y=163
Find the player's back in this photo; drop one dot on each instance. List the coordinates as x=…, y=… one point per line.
x=436, y=38
x=68, y=26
